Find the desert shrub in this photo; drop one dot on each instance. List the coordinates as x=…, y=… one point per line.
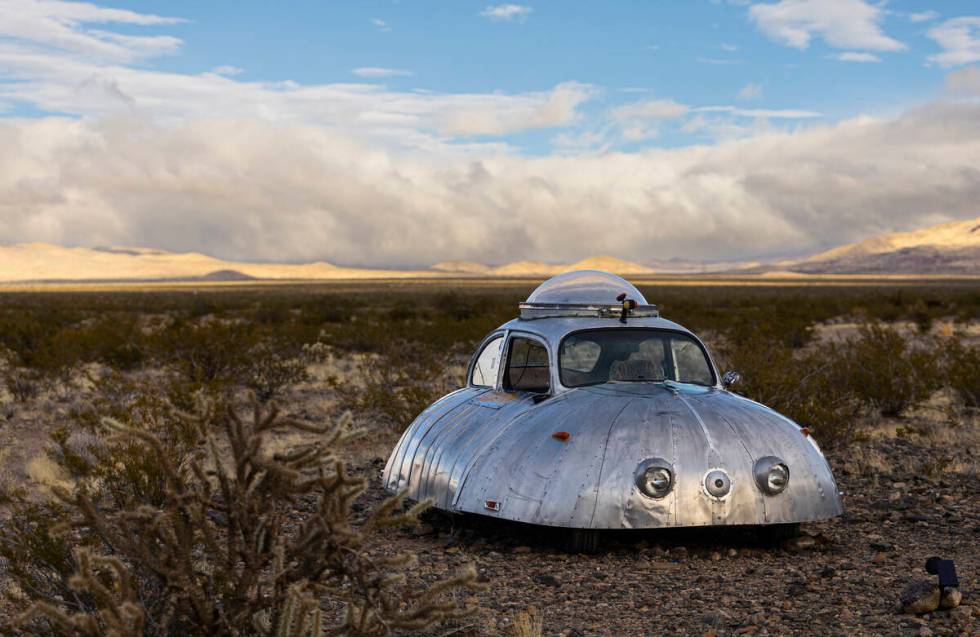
x=885, y=371
x=400, y=383
x=271, y=367
x=804, y=385
x=37, y=560
x=829, y=385
x=786, y=331
x=27, y=335
x=22, y=383
x=961, y=367
x=124, y=473
x=249, y=539
x=115, y=341
x=211, y=353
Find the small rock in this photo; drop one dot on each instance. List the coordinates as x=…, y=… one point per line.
x=903, y=503
x=547, y=579
x=452, y=550
x=924, y=632
x=664, y=566
x=962, y=613
x=522, y=549
x=828, y=572
x=879, y=558
x=678, y=552
x=423, y=529
x=920, y=597
x=713, y=619
x=716, y=557
x=732, y=552
x=950, y=598
x=801, y=543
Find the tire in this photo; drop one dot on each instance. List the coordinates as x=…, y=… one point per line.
x=582, y=541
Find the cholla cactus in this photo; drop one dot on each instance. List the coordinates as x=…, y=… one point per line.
x=247, y=541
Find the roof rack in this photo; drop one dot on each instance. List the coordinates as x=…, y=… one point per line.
x=531, y=311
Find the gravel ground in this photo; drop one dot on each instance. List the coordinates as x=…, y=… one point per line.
x=907, y=498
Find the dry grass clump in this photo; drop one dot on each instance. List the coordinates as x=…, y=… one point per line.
x=528, y=623
x=242, y=540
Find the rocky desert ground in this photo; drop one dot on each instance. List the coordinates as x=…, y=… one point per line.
x=911, y=480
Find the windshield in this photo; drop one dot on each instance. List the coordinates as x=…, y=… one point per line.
x=632, y=355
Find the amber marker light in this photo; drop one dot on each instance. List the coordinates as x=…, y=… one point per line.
x=805, y=431
x=561, y=435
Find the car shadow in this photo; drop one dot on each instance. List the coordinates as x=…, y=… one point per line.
x=506, y=535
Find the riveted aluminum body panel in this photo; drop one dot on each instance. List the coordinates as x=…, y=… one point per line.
x=491, y=452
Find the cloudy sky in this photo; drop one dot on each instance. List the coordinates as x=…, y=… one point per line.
x=387, y=132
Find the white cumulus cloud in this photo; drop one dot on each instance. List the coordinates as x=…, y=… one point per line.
x=66, y=26
x=378, y=71
x=650, y=109
x=964, y=81
x=843, y=24
x=750, y=91
x=507, y=12
x=959, y=39
x=248, y=188
x=856, y=56
x=923, y=16
x=228, y=70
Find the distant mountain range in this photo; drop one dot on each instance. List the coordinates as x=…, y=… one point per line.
x=951, y=248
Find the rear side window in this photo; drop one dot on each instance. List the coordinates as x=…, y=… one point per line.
x=487, y=364
x=527, y=366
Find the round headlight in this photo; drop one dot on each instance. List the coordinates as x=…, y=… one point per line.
x=717, y=483
x=771, y=474
x=655, y=480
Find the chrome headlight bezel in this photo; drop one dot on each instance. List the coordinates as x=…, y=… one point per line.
x=716, y=483
x=654, y=478
x=772, y=475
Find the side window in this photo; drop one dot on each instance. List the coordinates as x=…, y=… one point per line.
x=487, y=364
x=692, y=367
x=527, y=366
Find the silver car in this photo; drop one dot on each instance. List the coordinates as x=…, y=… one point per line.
x=591, y=412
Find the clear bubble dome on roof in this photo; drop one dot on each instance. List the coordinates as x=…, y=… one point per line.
x=585, y=287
